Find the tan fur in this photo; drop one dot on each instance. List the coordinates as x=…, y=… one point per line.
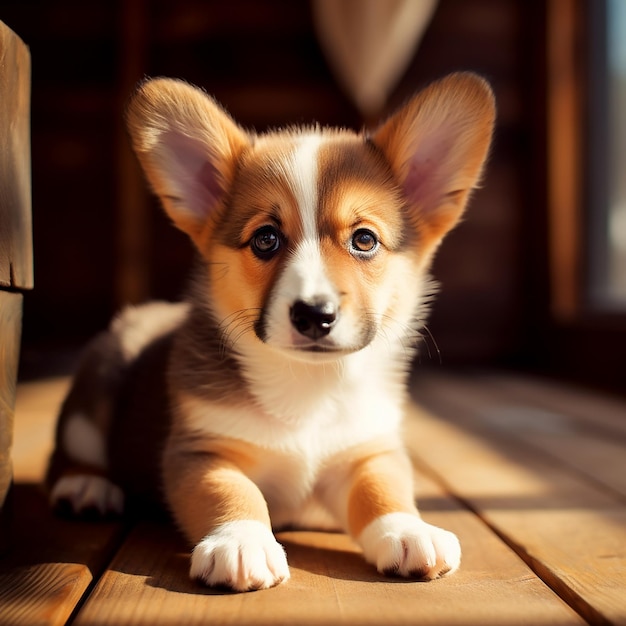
x=210, y=489
x=380, y=484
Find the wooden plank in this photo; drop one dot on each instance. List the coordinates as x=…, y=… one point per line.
x=10, y=331
x=579, y=439
x=16, y=270
x=568, y=529
x=148, y=583
x=604, y=413
x=16, y=264
x=52, y=562
x=585, y=432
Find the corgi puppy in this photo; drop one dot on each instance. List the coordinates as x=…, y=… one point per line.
x=273, y=395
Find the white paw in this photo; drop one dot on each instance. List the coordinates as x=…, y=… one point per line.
x=242, y=555
x=402, y=544
x=87, y=493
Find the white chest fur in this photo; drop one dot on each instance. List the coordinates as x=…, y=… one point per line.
x=300, y=407
x=302, y=416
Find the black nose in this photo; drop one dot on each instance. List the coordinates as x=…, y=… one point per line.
x=313, y=320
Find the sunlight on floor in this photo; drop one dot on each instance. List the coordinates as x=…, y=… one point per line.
x=36, y=411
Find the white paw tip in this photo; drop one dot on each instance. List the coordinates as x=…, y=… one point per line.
x=242, y=555
x=401, y=544
x=87, y=493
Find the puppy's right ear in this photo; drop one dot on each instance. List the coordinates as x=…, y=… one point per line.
x=188, y=148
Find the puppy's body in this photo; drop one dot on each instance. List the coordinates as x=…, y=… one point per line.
x=279, y=385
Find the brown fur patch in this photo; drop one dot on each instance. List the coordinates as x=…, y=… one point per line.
x=357, y=189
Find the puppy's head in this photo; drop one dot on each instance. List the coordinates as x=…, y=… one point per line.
x=316, y=242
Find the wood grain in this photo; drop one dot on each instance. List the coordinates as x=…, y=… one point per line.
x=16, y=264
x=568, y=529
x=51, y=562
x=602, y=413
x=15, y=238
x=582, y=430
x=10, y=327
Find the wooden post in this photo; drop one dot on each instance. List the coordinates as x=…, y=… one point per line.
x=564, y=109
x=16, y=264
x=132, y=279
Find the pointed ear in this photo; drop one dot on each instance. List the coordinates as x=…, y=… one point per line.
x=436, y=146
x=188, y=148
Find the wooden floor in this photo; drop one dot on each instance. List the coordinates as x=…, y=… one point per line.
x=531, y=476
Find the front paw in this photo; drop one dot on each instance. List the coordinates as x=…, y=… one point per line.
x=242, y=555
x=402, y=544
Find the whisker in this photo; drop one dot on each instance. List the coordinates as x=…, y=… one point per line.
x=224, y=269
x=434, y=343
x=235, y=326
x=405, y=334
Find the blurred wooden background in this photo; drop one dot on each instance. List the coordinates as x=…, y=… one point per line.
x=100, y=239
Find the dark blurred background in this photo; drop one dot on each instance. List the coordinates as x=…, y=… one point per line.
x=101, y=241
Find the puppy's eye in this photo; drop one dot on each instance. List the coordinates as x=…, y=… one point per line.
x=364, y=242
x=266, y=242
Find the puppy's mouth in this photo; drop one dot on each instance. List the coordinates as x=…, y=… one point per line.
x=320, y=348
x=316, y=348
x=316, y=352
x=325, y=349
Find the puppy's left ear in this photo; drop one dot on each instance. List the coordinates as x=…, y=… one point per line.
x=436, y=146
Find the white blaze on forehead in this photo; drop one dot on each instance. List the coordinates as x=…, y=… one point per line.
x=306, y=277
x=303, y=169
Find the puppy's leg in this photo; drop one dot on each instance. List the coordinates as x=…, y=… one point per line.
x=77, y=473
x=225, y=515
x=382, y=517
x=80, y=468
